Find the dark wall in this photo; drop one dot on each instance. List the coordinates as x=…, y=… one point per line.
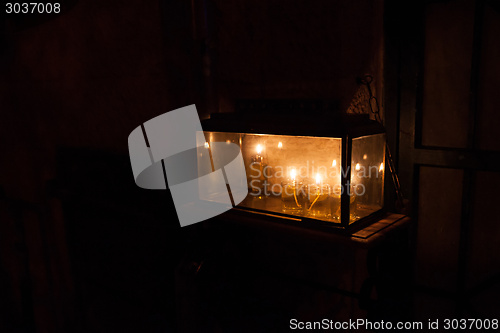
x=86, y=78
x=297, y=49
x=89, y=249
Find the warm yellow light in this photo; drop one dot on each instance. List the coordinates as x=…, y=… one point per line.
x=259, y=149
x=228, y=141
x=280, y=144
x=334, y=163
x=318, y=178
x=293, y=174
x=207, y=145
x=365, y=156
x=358, y=167
x=381, y=168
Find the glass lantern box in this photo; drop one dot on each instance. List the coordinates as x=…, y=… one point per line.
x=313, y=173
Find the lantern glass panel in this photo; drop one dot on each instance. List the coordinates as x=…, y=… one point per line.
x=367, y=174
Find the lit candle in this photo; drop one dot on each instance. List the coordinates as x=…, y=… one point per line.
x=279, y=159
x=319, y=205
x=378, y=186
x=336, y=173
x=259, y=149
x=318, y=179
x=354, y=176
x=257, y=171
x=291, y=200
x=207, y=146
x=293, y=174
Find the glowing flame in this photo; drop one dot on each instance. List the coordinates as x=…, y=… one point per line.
x=381, y=168
x=318, y=178
x=259, y=149
x=334, y=163
x=365, y=156
x=358, y=167
x=228, y=141
x=207, y=145
x=293, y=174
x=280, y=144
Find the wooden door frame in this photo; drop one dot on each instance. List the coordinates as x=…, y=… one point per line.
x=404, y=25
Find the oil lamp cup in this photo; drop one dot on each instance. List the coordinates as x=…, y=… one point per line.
x=319, y=201
x=257, y=178
x=293, y=198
